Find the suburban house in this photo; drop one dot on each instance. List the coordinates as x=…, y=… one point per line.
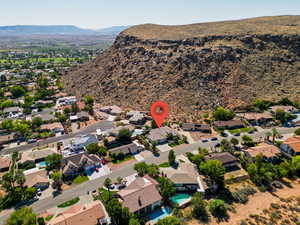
x=13, y=112
x=112, y=110
x=136, y=117
x=231, y=124
x=291, y=146
x=185, y=177
x=269, y=152
x=286, y=108
x=141, y=196
x=66, y=100
x=131, y=148
x=80, y=143
x=5, y=162
x=204, y=128
x=257, y=119
x=115, y=131
x=160, y=135
x=83, y=116
x=56, y=127
x=80, y=163
x=46, y=115
x=38, y=179
x=6, y=137
x=228, y=160
x=92, y=213
x=36, y=156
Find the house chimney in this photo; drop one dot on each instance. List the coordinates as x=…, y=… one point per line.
x=140, y=201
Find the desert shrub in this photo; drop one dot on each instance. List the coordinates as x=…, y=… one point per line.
x=241, y=195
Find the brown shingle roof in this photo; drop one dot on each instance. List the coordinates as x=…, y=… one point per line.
x=5, y=162
x=230, y=123
x=265, y=149
x=37, y=177
x=87, y=214
x=223, y=157
x=294, y=143
x=140, y=193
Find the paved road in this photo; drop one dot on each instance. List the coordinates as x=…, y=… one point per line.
x=126, y=170
x=104, y=125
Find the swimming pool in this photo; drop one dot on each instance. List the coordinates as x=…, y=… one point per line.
x=160, y=214
x=180, y=199
x=42, y=164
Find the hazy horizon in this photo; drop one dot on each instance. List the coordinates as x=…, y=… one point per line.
x=97, y=14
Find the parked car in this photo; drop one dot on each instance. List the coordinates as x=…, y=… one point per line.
x=223, y=134
x=237, y=134
x=251, y=132
x=204, y=140
x=30, y=141
x=214, y=139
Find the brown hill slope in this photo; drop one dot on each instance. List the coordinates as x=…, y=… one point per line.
x=197, y=66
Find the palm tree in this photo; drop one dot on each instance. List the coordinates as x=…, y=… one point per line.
x=275, y=134
x=268, y=135
x=57, y=180
x=20, y=178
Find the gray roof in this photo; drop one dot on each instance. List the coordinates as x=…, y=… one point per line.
x=160, y=133
x=186, y=173
x=125, y=149
x=12, y=109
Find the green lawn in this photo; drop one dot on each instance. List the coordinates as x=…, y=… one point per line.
x=105, y=194
x=69, y=203
x=48, y=218
x=242, y=130
x=164, y=165
x=80, y=179
x=126, y=158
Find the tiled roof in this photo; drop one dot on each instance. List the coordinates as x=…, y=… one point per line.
x=140, y=193
x=160, y=133
x=85, y=214
x=5, y=162
x=35, y=178
x=265, y=149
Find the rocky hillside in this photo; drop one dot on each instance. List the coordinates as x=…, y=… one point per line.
x=196, y=67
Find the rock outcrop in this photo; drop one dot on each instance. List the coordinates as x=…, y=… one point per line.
x=196, y=67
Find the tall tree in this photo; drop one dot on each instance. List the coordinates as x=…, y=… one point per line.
x=214, y=170
x=172, y=157
x=23, y=216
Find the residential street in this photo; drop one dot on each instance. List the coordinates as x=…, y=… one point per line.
x=104, y=125
x=126, y=170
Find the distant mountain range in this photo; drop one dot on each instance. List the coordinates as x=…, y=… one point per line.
x=57, y=30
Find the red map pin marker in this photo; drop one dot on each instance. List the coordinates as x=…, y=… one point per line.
x=159, y=112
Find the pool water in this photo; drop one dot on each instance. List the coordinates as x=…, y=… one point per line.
x=160, y=214
x=42, y=164
x=180, y=198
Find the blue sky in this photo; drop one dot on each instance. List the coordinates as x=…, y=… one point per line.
x=105, y=13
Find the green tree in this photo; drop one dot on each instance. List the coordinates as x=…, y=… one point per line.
x=124, y=136
x=53, y=162
x=134, y=221
x=6, y=103
x=275, y=134
x=88, y=100
x=292, y=167
x=262, y=105
x=169, y=220
x=102, y=151
x=223, y=114
x=234, y=141
x=36, y=122
x=166, y=187
x=57, y=180
x=93, y=148
x=217, y=208
x=19, y=177
x=7, y=124
x=75, y=108
x=248, y=141
x=119, y=215
x=199, y=207
x=297, y=131
x=214, y=170
x=226, y=146
x=67, y=111
x=141, y=168
x=43, y=82
x=23, y=216
x=153, y=170
x=172, y=157
x=29, y=193
x=17, y=91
